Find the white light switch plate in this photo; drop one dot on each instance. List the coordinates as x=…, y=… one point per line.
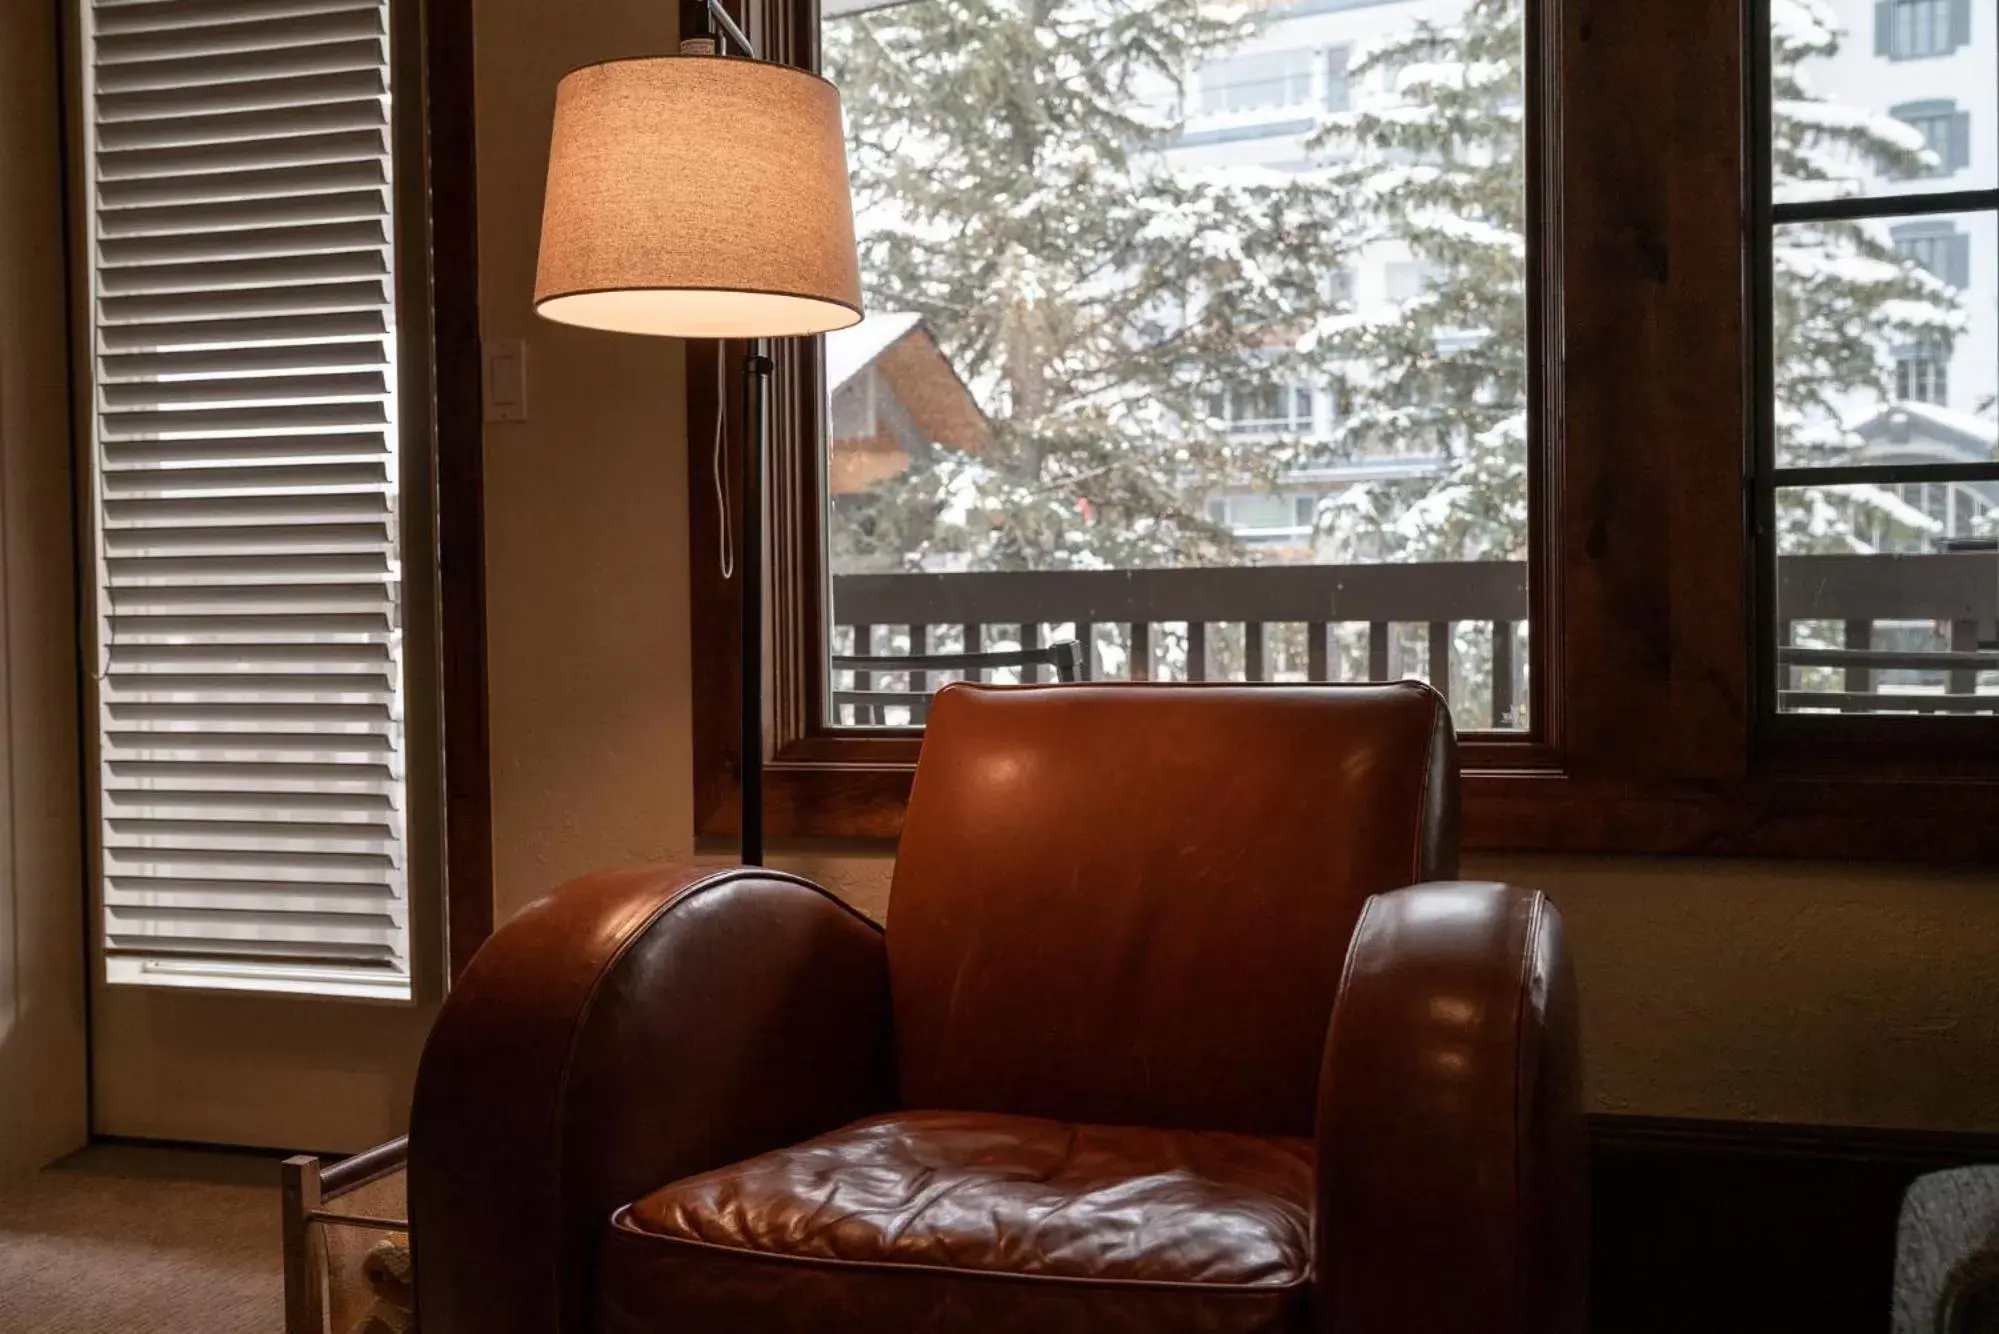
x=506, y=379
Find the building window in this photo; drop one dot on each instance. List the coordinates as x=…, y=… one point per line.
x=1405, y=280
x=1946, y=133
x=1915, y=29
x=1956, y=510
x=1971, y=516
x=1262, y=81
x=1272, y=409
x=1339, y=92
x=1938, y=248
x=1922, y=374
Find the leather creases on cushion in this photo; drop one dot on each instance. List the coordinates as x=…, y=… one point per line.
x=1012, y=1195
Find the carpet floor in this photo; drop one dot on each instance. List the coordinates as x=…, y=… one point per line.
x=132, y=1240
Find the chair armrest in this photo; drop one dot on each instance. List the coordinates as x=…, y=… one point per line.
x=632, y=1028
x=1450, y=1140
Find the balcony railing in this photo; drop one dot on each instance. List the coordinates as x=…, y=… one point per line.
x=1203, y=624
x=1845, y=623
x=1840, y=617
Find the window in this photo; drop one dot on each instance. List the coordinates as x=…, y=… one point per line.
x=254, y=590
x=1405, y=280
x=1271, y=409
x=1913, y=29
x=1644, y=711
x=1264, y=81
x=1339, y=93
x=1163, y=332
x=1946, y=135
x=1958, y=511
x=1938, y=248
x=1922, y=374
x=1879, y=428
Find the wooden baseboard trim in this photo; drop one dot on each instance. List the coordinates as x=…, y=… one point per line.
x=1748, y=1227
x=1928, y=1149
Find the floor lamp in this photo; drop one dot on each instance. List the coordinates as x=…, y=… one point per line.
x=705, y=196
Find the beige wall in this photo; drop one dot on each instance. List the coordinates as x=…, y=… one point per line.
x=586, y=548
x=1844, y=994
x=1779, y=991
x=1863, y=995
x=41, y=946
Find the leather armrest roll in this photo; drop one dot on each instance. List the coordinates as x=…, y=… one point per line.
x=1450, y=1138
x=630, y=1029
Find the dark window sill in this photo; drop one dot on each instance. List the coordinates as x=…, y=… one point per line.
x=1920, y=819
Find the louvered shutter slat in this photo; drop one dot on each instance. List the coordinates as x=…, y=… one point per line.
x=345, y=85
x=241, y=362
x=264, y=126
x=123, y=16
x=256, y=214
x=250, y=695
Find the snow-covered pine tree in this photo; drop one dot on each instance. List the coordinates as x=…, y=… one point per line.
x=1011, y=186
x=1435, y=164
x=1437, y=168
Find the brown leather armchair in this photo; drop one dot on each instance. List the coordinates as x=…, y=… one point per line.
x=1178, y=1023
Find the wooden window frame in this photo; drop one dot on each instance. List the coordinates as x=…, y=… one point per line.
x=1650, y=735
x=1931, y=752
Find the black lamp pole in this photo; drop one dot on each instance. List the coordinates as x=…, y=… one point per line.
x=750, y=568
x=705, y=26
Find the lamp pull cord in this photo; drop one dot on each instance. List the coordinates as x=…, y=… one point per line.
x=712, y=46
x=715, y=462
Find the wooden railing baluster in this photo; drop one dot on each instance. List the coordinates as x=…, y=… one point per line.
x=975, y=642
x=1440, y=657
x=1141, y=651
x=864, y=644
x=919, y=682
x=1787, y=677
x=1315, y=652
x=1252, y=651
x=1030, y=637
x=1086, y=650
x=1377, y=650
x=1963, y=639
x=1502, y=673
x=1197, y=650
x=1859, y=680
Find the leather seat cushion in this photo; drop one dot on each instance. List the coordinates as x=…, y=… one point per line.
x=948, y=1220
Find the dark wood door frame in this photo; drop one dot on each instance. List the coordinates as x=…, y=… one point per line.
x=451, y=178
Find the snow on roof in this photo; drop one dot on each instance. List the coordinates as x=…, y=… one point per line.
x=849, y=350
x=1963, y=426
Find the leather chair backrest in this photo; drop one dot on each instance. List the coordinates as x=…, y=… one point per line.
x=1131, y=904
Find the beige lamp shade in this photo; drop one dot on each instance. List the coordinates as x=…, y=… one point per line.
x=700, y=197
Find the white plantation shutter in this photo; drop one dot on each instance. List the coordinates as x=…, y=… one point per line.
x=250, y=692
